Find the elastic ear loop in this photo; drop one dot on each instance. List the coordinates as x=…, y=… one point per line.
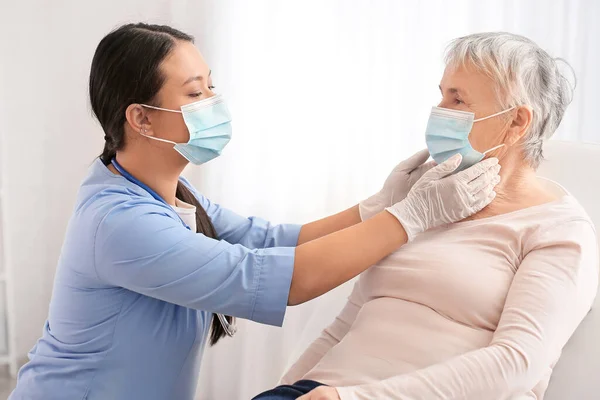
x=494, y=115
x=493, y=148
x=142, y=130
x=491, y=116
x=155, y=138
x=161, y=109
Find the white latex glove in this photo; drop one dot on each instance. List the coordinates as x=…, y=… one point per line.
x=397, y=185
x=438, y=199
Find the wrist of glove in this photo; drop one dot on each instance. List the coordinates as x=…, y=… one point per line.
x=441, y=198
x=373, y=205
x=410, y=214
x=397, y=185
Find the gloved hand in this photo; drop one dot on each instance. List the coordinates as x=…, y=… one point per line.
x=397, y=185
x=438, y=199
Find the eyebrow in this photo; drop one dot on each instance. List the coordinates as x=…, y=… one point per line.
x=196, y=78
x=453, y=91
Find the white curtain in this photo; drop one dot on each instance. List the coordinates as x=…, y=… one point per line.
x=326, y=96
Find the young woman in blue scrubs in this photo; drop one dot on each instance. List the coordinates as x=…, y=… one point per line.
x=150, y=267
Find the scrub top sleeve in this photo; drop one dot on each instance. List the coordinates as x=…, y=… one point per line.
x=143, y=249
x=274, y=286
x=252, y=232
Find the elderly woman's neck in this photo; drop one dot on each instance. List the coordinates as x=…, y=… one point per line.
x=515, y=185
x=518, y=189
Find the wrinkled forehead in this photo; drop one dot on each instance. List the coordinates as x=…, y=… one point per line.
x=469, y=81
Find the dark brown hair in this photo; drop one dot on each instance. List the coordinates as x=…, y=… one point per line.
x=126, y=70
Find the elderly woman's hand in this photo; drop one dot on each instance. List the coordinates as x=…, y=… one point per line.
x=397, y=185
x=321, y=393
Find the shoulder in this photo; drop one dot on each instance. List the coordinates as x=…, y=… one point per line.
x=563, y=219
x=567, y=239
x=566, y=250
x=103, y=195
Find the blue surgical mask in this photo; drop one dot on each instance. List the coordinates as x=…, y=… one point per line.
x=448, y=134
x=209, y=124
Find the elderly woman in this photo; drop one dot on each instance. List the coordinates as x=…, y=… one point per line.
x=478, y=309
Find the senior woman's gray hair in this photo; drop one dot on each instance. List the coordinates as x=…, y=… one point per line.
x=524, y=74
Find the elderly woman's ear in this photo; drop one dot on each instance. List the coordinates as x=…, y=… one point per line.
x=519, y=125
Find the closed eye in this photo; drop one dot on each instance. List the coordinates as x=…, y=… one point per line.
x=454, y=100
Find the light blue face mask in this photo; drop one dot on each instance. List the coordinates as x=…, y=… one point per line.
x=448, y=134
x=209, y=124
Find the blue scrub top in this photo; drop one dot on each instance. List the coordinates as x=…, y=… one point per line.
x=135, y=290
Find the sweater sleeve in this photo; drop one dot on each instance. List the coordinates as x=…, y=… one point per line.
x=330, y=337
x=551, y=293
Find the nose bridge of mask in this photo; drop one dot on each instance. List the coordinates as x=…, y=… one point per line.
x=209, y=124
x=201, y=116
x=447, y=134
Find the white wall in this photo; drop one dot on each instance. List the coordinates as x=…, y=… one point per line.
x=327, y=96
x=49, y=137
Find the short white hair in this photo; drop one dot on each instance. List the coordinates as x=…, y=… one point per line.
x=524, y=74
